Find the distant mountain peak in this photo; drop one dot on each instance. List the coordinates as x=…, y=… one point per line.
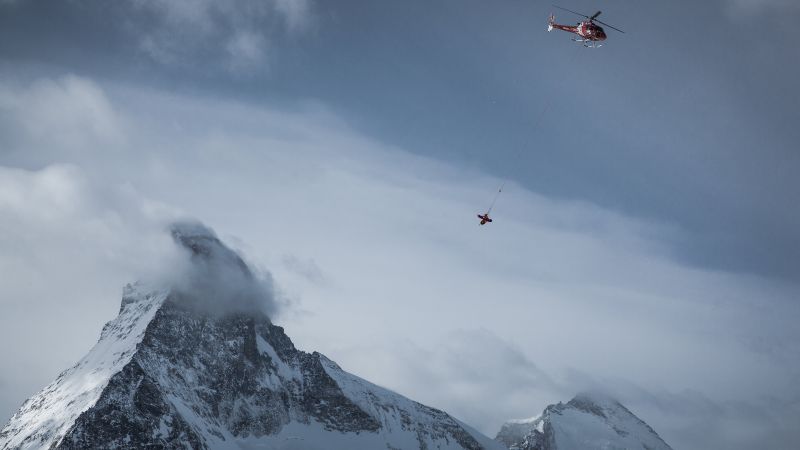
x=594, y=403
x=588, y=421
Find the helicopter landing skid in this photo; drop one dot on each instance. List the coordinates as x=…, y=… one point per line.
x=588, y=43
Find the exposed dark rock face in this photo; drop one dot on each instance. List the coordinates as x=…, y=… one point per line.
x=213, y=368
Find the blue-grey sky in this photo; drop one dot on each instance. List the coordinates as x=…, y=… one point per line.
x=653, y=203
x=688, y=118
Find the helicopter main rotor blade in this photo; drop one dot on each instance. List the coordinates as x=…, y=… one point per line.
x=609, y=26
x=594, y=16
x=573, y=12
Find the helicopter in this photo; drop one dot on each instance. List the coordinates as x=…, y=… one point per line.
x=589, y=33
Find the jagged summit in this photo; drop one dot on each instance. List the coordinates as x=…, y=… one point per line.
x=216, y=279
x=187, y=366
x=597, y=403
x=588, y=421
x=204, y=244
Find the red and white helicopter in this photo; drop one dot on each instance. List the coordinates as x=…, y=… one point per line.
x=589, y=33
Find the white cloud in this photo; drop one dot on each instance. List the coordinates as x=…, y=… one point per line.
x=66, y=249
x=68, y=112
x=554, y=285
x=57, y=209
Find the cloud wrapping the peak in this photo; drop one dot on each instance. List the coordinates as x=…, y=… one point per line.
x=216, y=279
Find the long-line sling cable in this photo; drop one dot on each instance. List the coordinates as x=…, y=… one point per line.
x=535, y=126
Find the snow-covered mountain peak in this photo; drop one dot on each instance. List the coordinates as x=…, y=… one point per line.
x=596, y=403
x=190, y=367
x=588, y=421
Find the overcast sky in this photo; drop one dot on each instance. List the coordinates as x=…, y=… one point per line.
x=647, y=242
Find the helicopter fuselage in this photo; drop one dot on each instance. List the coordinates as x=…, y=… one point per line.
x=587, y=29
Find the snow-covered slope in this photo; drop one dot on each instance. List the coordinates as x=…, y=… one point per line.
x=175, y=370
x=588, y=421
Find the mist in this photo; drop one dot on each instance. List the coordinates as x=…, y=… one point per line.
x=216, y=280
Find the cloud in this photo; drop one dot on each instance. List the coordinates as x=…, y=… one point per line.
x=246, y=51
x=691, y=419
x=67, y=113
x=474, y=374
x=305, y=268
x=551, y=285
x=233, y=35
x=217, y=280
x=57, y=210
x=67, y=247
